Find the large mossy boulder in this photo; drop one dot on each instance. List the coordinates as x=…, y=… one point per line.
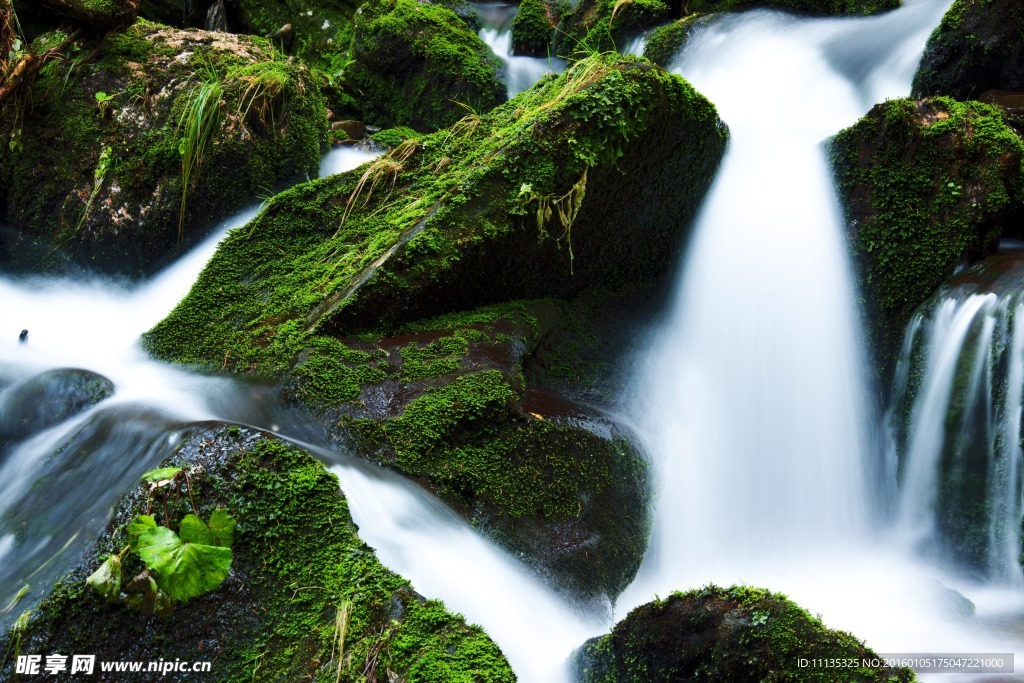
x=978, y=47
x=420, y=65
x=600, y=25
x=120, y=153
x=587, y=181
x=726, y=634
x=305, y=597
x=926, y=186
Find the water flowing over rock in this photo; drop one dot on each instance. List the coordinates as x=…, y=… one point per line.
x=48, y=399
x=956, y=421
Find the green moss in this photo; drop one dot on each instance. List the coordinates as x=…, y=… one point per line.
x=533, y=27
x=926, y=186
x=420, y=65
x=272, y=125
x=389, y=138
x=297, y=562
x=976, y=48
x=333, y=373
x=726, y=634
x=322, y=30
x=596, y=26
x=668, y=41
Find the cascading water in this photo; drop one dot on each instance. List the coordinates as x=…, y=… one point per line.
x=496, y=30
x=956, y=420
x=753, y=402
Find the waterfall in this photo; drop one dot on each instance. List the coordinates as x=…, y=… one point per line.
x=752, y=399
x=520, y=73
x=956, y=422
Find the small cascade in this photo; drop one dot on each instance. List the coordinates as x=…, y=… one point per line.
x=496, y=30
x=956, y=422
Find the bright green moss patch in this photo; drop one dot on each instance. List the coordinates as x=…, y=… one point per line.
x=726, y=634
x=298, y=563
x=666, y=42
x=926, y=186
x=599, y=25
x=533, y=27
x=420, y=65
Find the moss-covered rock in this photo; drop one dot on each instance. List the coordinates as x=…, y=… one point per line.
x=979, y=46
x=726, y=634
x=600, y=25
x=96, y=149
x=813, y=7
x=447, y=402
x=621, y=149
x=669, y=40
x=419, y=65
x=105, y=15
x=322, y=30
x=297, y=563
x=534, y=27
x=926, y=186
x=336, y=295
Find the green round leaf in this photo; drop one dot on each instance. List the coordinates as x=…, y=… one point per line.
x=184, y=570
x=107, y=579
x=137, y=527
x=161, y=474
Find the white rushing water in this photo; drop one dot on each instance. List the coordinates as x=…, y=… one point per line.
x=520, y=73
x=956, y=420
x=753, y=401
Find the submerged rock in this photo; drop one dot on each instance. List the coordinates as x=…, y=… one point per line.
x=46, y=400
x=420, y=65
x=120, y=153
x=305, y=597
x=978, y=47
x=926, y=186
x=726, y=634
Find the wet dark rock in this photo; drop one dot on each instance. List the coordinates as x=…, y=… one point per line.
x=46, y=400
x=978, y=47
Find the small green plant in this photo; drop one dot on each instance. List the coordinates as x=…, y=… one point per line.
x=199, y=120
x=179, y=565
x=102, y=102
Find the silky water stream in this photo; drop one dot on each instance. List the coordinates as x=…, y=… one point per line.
x=771, y=462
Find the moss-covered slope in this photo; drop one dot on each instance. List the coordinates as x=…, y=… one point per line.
x=926, y=186
x=96, y=147
x=418, y=64
x=978, y=47
x=297, y=563
x=726, y=634
x=478, y=214
x=667, y=41
x=534, y=27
